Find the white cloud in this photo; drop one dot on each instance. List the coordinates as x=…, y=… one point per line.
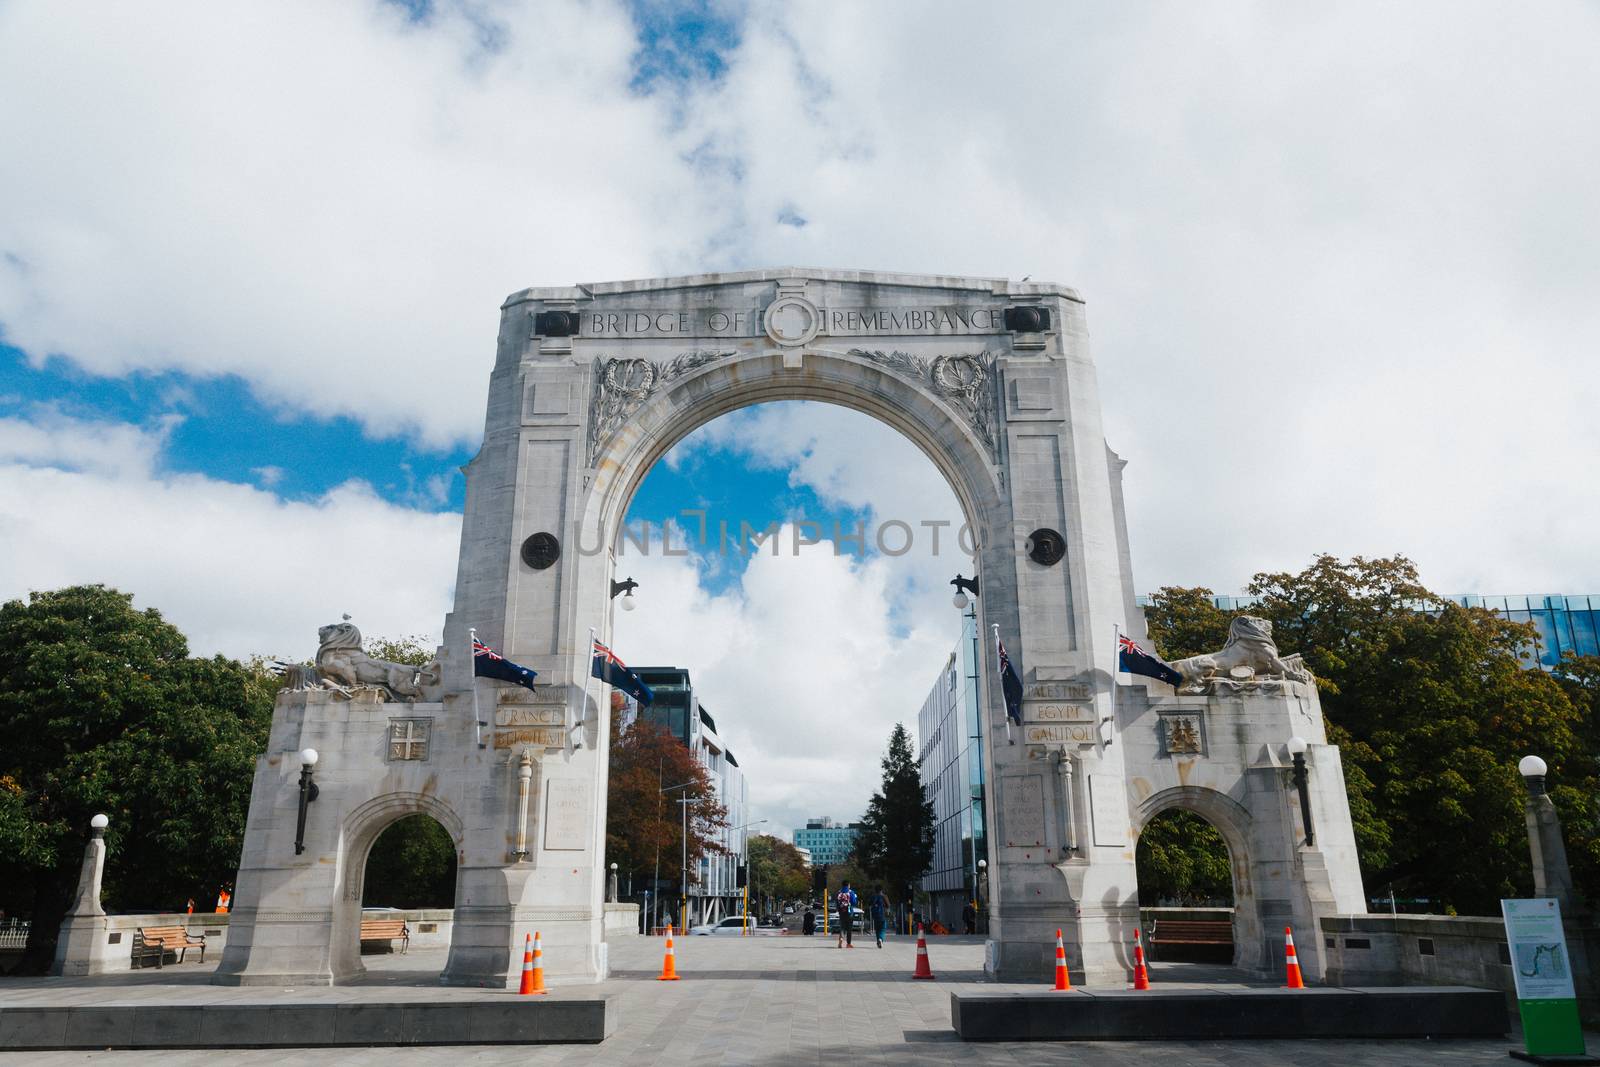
x=806, y=670
x=325, y=199
x=239, y=570
x=1346, y=253
x=1340, y=262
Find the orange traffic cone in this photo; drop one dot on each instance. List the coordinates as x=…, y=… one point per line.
x=1141, y=973
x=923, y=970
x=1063, y=980
x=533, y=967
x=669, y=966
x=1295, y=981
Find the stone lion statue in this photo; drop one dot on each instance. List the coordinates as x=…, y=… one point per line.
x=341, y=664
x=1249, y=654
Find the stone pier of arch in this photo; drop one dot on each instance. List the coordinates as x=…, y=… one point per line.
x=992, y=379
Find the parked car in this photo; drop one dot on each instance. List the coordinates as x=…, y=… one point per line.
x=733, y=926
x=788, y=909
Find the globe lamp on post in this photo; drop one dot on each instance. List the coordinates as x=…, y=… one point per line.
x=308, y=793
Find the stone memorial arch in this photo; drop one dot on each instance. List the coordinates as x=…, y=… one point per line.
x=992, y=380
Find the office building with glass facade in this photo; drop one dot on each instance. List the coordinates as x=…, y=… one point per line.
x=713, y=885
x=826, y=842
x=1562, y=623
x=950, y=762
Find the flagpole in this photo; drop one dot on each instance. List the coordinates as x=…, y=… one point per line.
x=1116, y=670
x=996, y=627
x=472, y=661
x=579, y=724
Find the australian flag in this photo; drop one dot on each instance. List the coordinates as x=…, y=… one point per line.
x=1135, y=660
x=1010, y=683
x=487, y=663
x=608, y=668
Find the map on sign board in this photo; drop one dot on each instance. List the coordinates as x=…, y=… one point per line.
x=1538, y=949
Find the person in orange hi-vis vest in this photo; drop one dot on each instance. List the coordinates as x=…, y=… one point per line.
x=191, y=907
x=223, y=899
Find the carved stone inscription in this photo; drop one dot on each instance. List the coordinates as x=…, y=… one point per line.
x=566, y=816
x=1108, y=810
x=832, y=321
x=1058, y=691
x=1057, y=733
x=1022, y=804
x=518, y=736
x=1038, y=712
x=555, y=716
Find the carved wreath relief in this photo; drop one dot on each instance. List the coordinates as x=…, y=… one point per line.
x=621, y=386
x=965, y=382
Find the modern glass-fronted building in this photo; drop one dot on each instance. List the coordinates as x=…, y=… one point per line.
x=950, y=762
x=1564, y=623
x=828, y=843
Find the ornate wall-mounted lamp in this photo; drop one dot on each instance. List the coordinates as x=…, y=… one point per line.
x=963, y=587
x=308, y=793
x=1297, y=750
x=626, y=588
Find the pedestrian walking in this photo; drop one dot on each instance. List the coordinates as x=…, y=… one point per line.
x=880, y=914
x=808, y=924
x=845, y=904
x=969, y=918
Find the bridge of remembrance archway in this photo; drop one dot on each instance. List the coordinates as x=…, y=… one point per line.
x=992, y=380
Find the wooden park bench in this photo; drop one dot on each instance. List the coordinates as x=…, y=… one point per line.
x=386, y=930
x=1191, y=932
x=156, y=941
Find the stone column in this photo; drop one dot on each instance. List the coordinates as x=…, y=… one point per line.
x=1552, y=878
x=81, y=945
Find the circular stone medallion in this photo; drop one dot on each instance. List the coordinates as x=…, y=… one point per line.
x=1046, y=547
x=792, y=321
x=541, y=550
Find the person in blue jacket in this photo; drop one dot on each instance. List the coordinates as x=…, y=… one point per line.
x=879, y=909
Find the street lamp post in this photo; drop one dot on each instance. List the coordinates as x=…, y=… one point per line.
x=308, y=793
x=1297, y=751
x=685, y=885
x=1552, y=877
x=983, y=895
x=744, y=851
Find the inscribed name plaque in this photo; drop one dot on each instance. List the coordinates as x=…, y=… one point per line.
x=518, y=736
x=1036, y=734
x=1108, y=810
x=552, y=716
x=566, y=816
x=1022, y=804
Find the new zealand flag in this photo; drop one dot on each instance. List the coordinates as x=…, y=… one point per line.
x=1010, y=683
x=487, y=663
x=608, y=668
x=1135, y=660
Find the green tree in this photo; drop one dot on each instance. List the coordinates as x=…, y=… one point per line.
x=1182, y=858
x=415, y=650
x=1185, y=622
x=1432, y=705
x=777, y=872
x=103, y=710
x=895, y=844
x=411, y=865
x=1576, y=791
x=644, y=829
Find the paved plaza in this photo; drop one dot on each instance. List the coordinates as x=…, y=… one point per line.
x=760, y=1001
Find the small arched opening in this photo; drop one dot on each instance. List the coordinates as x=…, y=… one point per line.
x=398, y=890
x=1196, y=902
